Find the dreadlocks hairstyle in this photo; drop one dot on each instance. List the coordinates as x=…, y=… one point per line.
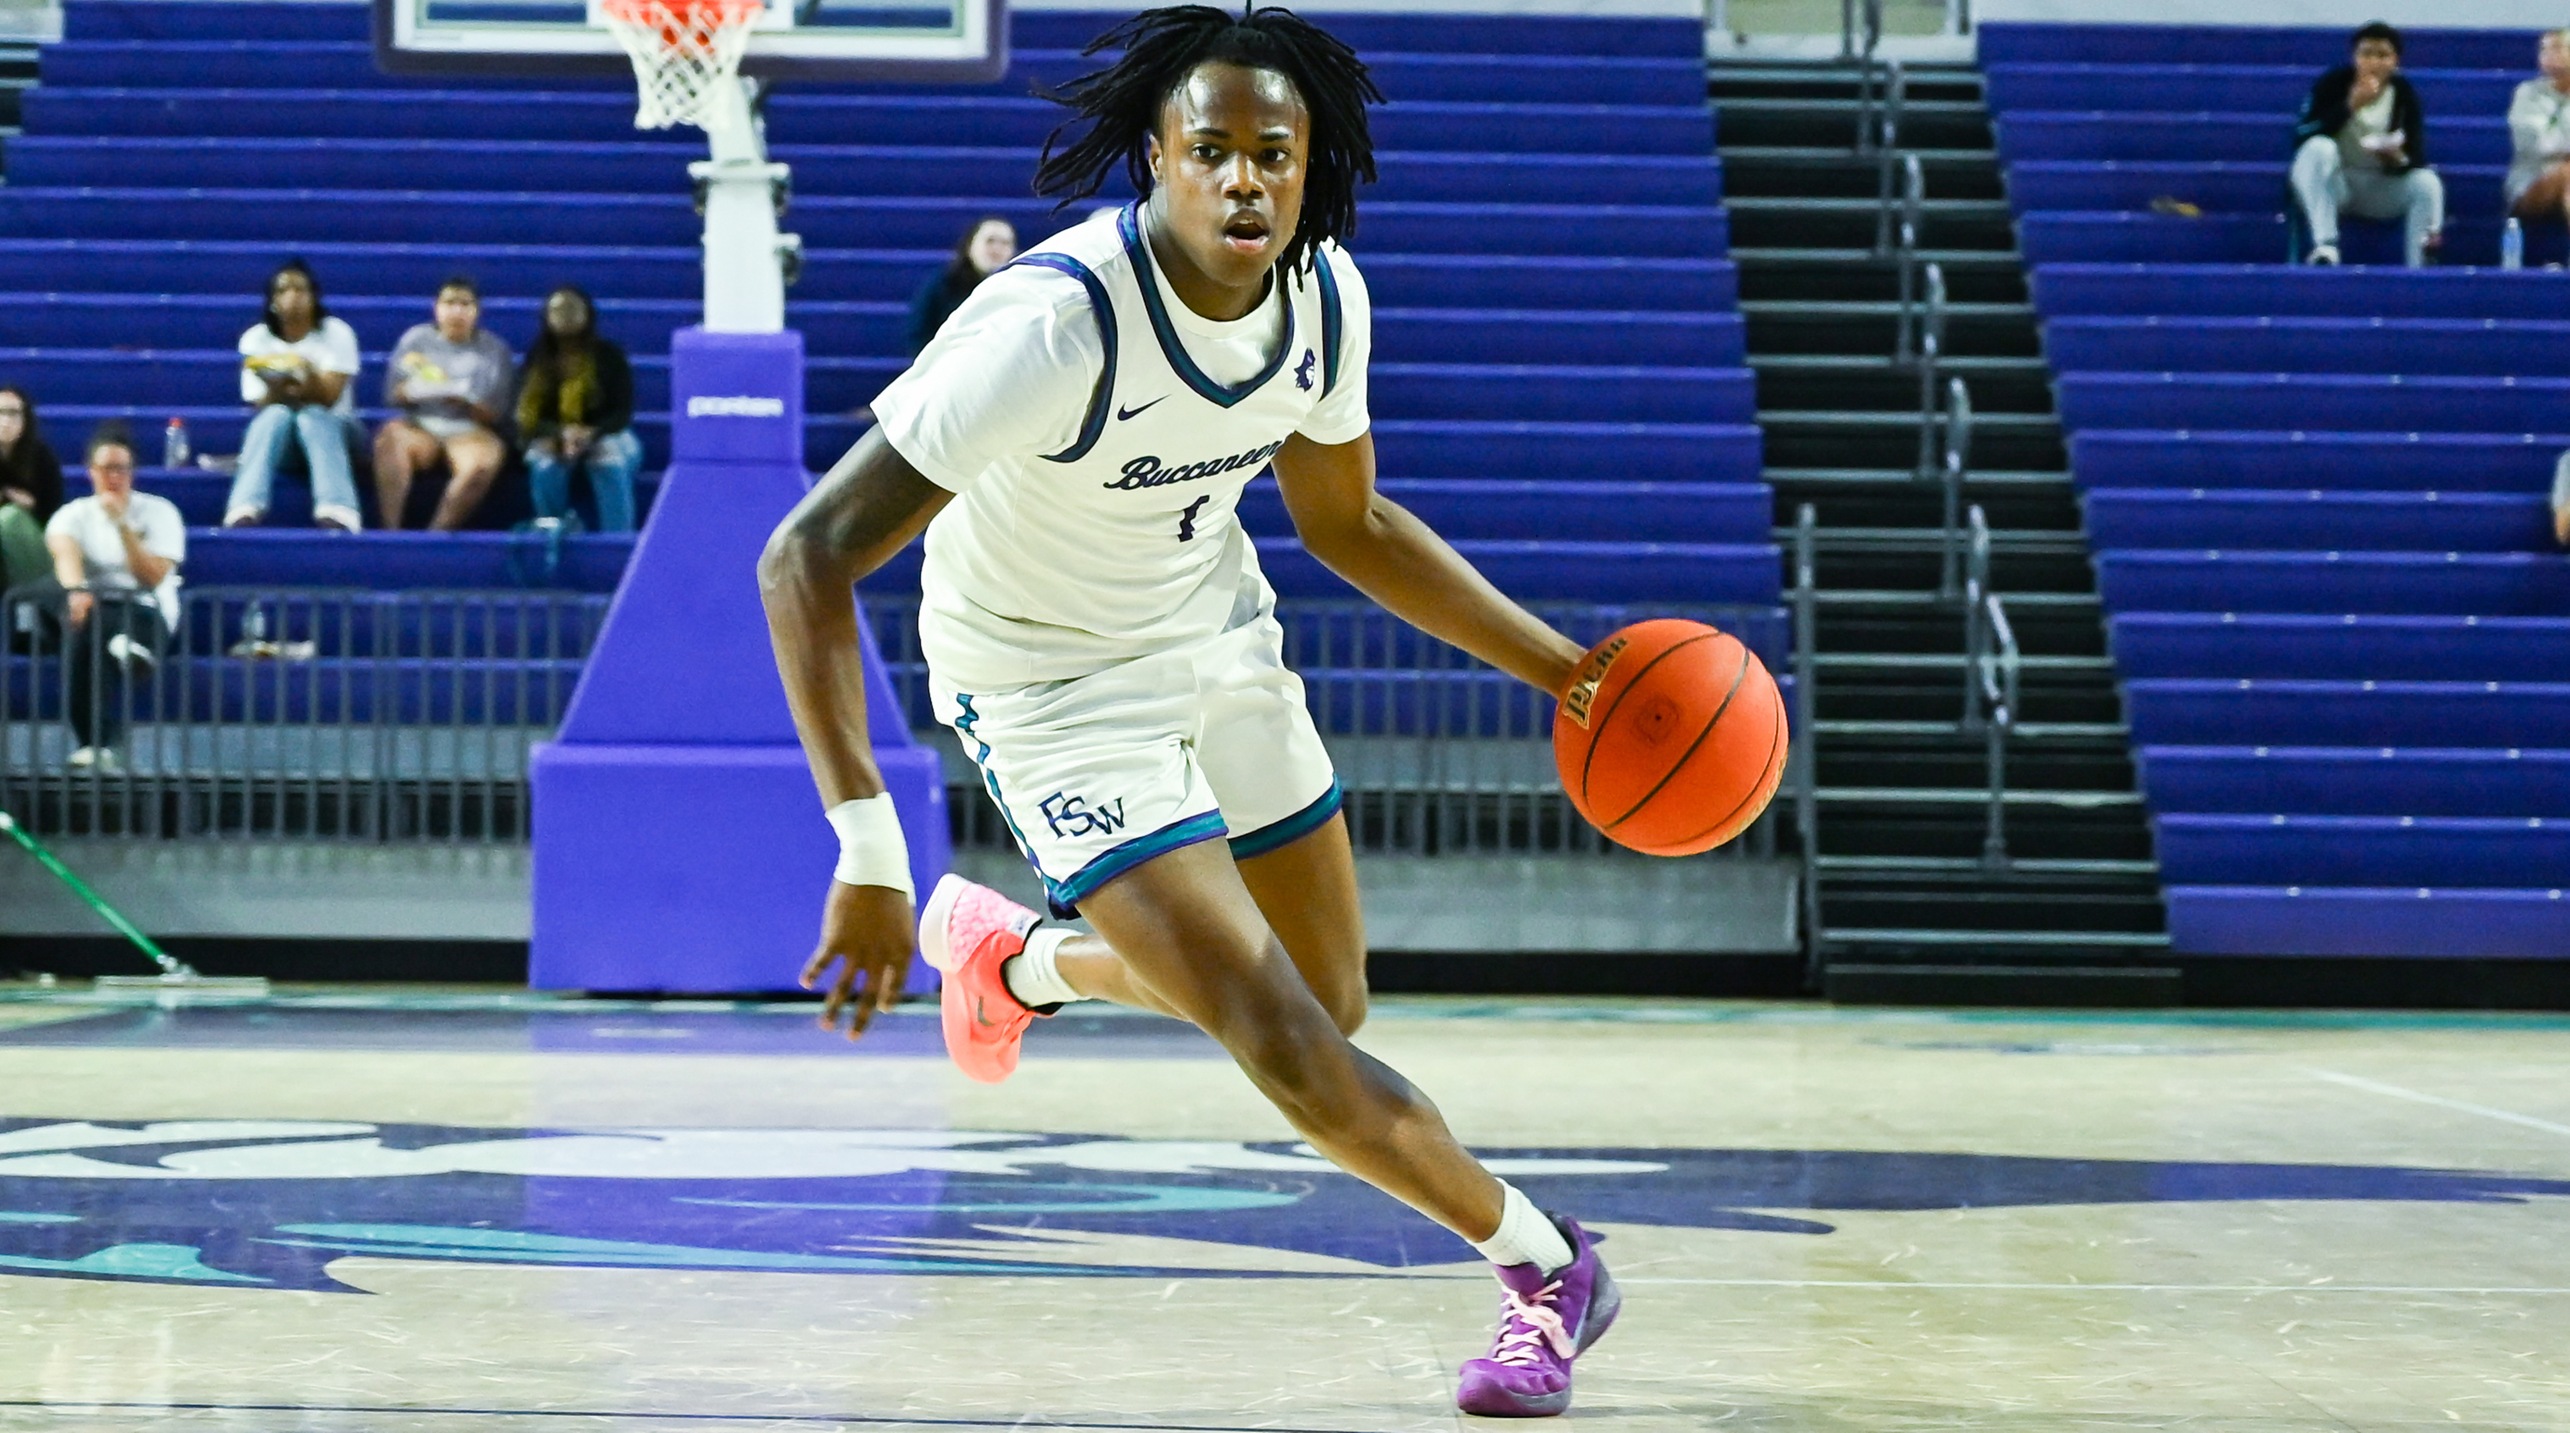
x=1121, y=105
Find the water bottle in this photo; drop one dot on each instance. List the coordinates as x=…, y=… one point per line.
x=2512, y=245
x=174, y=448
x=254, y=623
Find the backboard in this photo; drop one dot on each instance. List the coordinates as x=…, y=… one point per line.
x=939, y=41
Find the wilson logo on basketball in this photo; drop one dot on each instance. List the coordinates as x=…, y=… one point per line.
x=1583, y=692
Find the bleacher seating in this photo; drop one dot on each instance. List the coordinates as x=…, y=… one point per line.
x=2316, y=497
x=1558, y=377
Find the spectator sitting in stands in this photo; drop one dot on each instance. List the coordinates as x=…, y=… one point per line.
x=296, y=367
x=116, y=555
x=576, y=410
x=450, y=378
x=2539, y=123
x=986, y=246
x=30, y=489
x=2361, y=148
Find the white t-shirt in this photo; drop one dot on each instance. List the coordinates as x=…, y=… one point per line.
x=331, y=347
x=2369, y=132
x=1095, y=522
x=155, y=520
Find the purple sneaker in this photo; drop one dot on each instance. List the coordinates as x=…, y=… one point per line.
x=1543, y=1325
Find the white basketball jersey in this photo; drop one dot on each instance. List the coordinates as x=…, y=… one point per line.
x=1051, y=566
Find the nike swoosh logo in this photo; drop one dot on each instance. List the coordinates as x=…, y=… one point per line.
x=1123, y=413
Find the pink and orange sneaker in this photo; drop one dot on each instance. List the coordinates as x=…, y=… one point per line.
x=1543, y=1325
x=968, y=932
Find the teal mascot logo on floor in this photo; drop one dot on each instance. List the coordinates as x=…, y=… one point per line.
x=272, y=1204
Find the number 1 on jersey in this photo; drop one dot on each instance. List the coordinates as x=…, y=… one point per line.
x=1187, y=519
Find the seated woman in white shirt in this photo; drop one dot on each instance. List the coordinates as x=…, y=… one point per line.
x=116, y=555
x=296, y=366
x=2539, y=123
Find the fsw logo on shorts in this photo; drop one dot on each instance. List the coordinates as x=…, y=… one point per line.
x=1072, y=817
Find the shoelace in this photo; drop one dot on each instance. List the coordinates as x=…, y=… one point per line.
x=1527, y=1325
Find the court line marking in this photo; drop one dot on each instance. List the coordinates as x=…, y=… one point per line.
x=1890, y=1287
x=630, y=1415
x=2359, y=1082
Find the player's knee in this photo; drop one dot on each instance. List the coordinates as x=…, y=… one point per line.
x=1346, y=1006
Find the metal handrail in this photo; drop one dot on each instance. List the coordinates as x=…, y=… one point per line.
x=1805, y=735
x=1993, y=669
x=1956, y=467
x=1906, y=345
x=1930, y=360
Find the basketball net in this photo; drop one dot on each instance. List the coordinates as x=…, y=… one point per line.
x=684, y=52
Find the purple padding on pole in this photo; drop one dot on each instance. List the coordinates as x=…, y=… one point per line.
x=2445, y=922
x=679, y=843
x=698, y=869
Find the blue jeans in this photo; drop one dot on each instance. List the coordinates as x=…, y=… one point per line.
x=277, y=430
x=612, y=461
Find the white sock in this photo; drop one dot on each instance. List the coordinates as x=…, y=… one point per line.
x=1031, y=974
x=1525, y=1236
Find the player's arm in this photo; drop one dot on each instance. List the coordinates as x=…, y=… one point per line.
x=866, y=509
x=1392, y=557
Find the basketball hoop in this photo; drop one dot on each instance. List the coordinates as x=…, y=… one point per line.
x=684, y=52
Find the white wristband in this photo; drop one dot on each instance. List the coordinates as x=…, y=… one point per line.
x=871, y=849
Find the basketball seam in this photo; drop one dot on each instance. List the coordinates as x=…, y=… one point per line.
x=1754, y=795
x=1597, y=719
x=1683, y=757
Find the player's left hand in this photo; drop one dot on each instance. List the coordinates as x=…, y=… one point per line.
x=868, y=932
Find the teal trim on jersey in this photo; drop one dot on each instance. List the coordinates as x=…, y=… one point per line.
x=1331, y=322
x=1103, y=395
x=1147, y=279
x=1277, y=834
x=1121, y=859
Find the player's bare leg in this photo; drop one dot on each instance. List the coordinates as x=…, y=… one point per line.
x=1307, y=892
x=1186, y=928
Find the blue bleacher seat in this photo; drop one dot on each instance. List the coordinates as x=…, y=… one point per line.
x=2336, y=402
x=2339, y=646
x=2226, y=85
x=2484, y=347
x=2322, y=520
x=2233, y=186
x=646, y=168
x=2311, y=48
x=2517, y=852
x=286, y=217
x=2262, y=290
x=232, y=271
x=2357, y=781
x=2459, y=584
x=2196, y=712
x=2403, y=922
x=2392, y=462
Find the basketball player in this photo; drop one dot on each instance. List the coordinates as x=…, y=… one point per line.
x=1074, y=442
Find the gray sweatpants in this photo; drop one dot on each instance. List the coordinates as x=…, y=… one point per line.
x=2326, y=187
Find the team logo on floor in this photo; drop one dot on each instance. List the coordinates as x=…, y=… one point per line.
x=274, y=1204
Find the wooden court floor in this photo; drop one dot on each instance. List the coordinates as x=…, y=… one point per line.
x=384, y=1210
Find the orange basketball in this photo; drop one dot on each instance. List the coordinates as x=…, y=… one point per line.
x=1671, y=738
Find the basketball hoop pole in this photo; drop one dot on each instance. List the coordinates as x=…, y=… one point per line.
x=746, y=259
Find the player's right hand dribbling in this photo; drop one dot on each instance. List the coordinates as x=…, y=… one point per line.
x=868, y=931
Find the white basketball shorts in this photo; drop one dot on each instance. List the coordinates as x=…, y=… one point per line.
x=1101, y=773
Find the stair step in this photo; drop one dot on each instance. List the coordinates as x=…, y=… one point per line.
x=1905, y=478
x=1964, y=865
x=1913, y=539
x=1801, y=154
x=2024, y=731
x=1951, y=662
x=1968, y=796
x=1872, y=308
x=1963, y=366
